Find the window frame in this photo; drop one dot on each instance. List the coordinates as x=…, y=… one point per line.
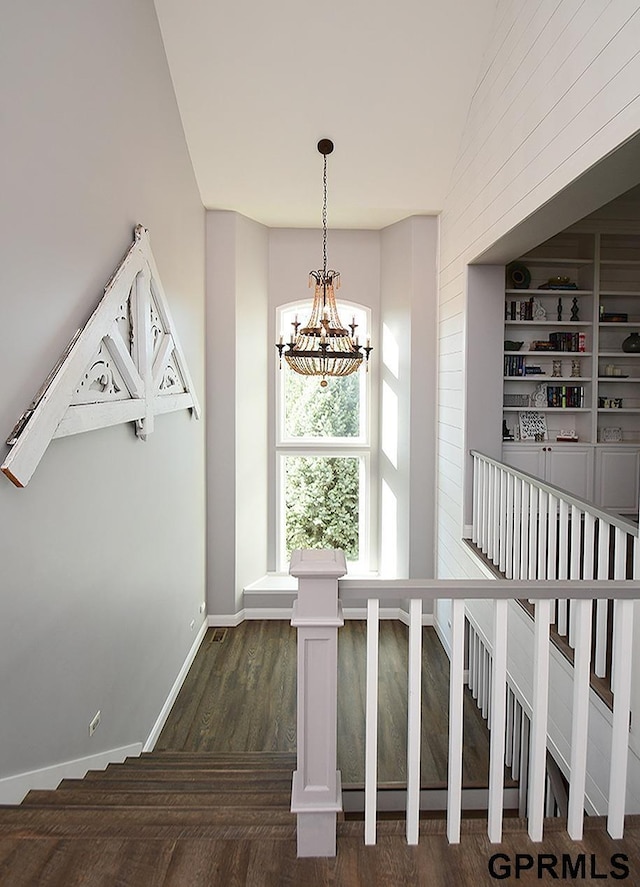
x=356, y=447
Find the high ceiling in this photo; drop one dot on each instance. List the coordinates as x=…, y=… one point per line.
x=259, y=83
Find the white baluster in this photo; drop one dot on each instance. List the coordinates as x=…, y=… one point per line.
x=486, y=683
x=538, y=742
x=524, y=777
x=371, y=721
x=533, y=532
x=574, y=567
x=414, y=720
x=552, y=547
x=489, y=546
x=497, y=515
x=473, y=663
x=524, y=530
x=621, y=685
x=619, y=572
x=563, y=562
x=454, y=794
x=543, y=520
x=602, y=606
x=485, y=506
x=517, y=521
x=582, y=615
x=502, y=559
x=517, y=739
x=508, y=754
x=476, y=499
x=508, y=567
x=498, y=712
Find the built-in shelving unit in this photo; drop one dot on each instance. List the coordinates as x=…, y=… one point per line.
x=586, y=388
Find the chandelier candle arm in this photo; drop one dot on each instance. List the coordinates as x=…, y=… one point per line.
x=323, y=347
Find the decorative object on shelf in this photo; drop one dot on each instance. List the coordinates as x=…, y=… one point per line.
x=613, y=317
x=533, y=425
x=559, y=309
x=559, y=283
x=324, y=347
x=519, y=276
x=610, y=403
x=564, y=436
x=506, y=434
x=574, y=309
x=515, y=400
x=612, y=370
x=611, y=435
x=556, y=368
x=539, y=396
x=509, y=345
x=539, y=311
x=575, y=369
x=631, y=344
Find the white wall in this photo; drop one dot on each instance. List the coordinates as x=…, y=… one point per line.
x=559, y=90
x=407, y=359
x=237, y=371
x=102, y=555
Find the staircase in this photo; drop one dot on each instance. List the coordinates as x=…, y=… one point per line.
x=167, y=795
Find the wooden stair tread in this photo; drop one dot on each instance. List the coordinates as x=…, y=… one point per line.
x=176, y=783
x=204, y=764
x=117, y=771
x=94, y=818
x=69, y=798
x=268, y=756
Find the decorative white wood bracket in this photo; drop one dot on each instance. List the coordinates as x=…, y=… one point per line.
x=125, y=365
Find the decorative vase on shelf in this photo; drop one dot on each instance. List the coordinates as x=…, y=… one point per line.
x=632, y=344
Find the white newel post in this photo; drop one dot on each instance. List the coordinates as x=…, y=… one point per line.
x=316, y=795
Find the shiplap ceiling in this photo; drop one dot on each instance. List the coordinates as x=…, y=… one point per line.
x=258, y=83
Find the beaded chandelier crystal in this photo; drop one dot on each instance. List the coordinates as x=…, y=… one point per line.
x=323, y=347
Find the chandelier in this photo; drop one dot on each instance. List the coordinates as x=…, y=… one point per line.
x=323, y=347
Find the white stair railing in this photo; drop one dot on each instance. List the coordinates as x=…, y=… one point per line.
x=541, y=532
x=317, y=803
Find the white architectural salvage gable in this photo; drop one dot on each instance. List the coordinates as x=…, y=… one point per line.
x=126, y=365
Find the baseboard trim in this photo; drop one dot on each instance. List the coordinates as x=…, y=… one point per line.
x=14, y=788
x=443, y=638
x=247, y=613
x=173, y=693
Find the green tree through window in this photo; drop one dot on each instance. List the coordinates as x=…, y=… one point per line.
x=322, y=493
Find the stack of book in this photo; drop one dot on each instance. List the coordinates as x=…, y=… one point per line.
x=519, y=310
x=564, y=396
x=568, y=341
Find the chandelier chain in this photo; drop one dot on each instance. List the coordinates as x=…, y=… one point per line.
x=324, y=220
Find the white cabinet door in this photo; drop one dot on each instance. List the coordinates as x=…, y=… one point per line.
x=526, y=457
x=570, y=467
x=618, y=478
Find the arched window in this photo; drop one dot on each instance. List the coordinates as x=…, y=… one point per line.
x=323, y=453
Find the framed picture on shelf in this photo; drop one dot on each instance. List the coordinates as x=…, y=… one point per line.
x=533, y=425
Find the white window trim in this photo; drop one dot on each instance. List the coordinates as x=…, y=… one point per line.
x=355, y=447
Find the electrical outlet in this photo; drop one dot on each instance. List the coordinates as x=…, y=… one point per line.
x=193, y=623
x=93, y=726
x=202, y=606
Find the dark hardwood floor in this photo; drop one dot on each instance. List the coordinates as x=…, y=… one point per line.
x=240, y=696
x=180, y=828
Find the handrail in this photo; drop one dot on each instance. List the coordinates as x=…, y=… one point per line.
x=352, y=590
x=583, y=504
